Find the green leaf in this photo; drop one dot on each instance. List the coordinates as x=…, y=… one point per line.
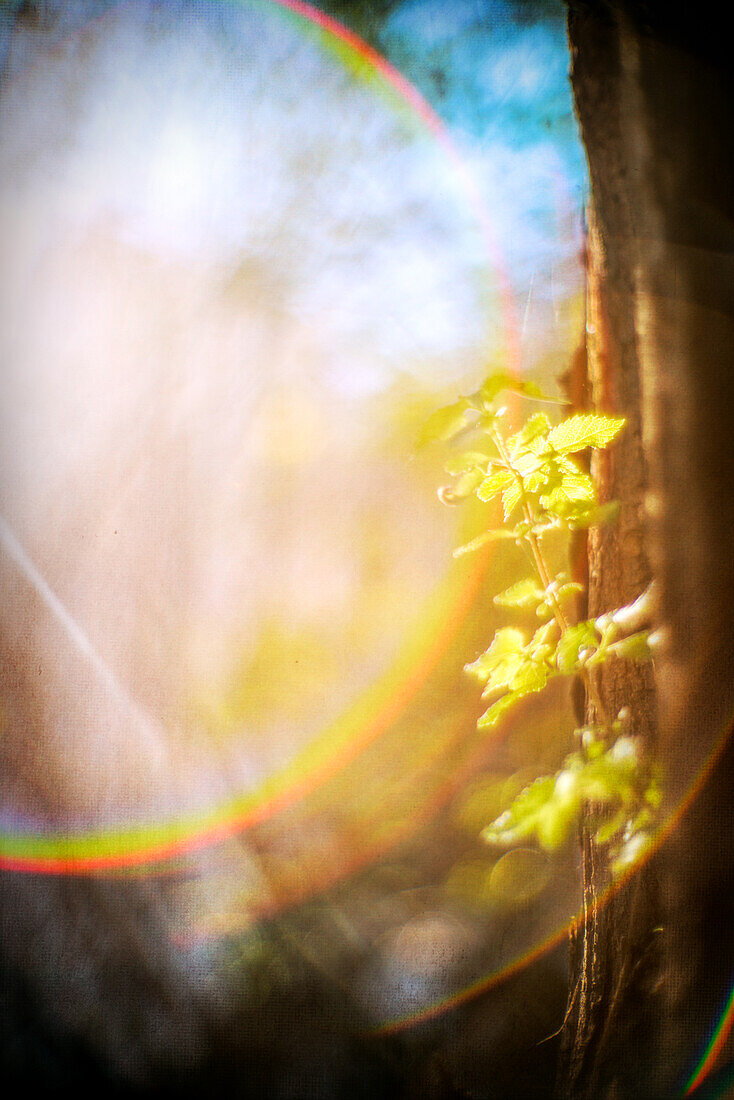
x=573, y=642
x=444, y=423
x=571, y=588
x=654, y=794
x=536, y=482
x=605, y=782
x=531, y=676
x=592, y=738
x=540, y=646
x=556, y=821
x=610, y=783
x=502, y=675
x=528, y=464
x=633, y=648
x=494, y=484
x=507, y=642
x=534, y=429
x=642, y=820
x=530, y=389
x=522, y=594
x=544, y=473
x=496, y=383
x=596, y=515
x=466, y=461
x=574, y=490
x=611, y=826
x=533, y=797
x=482, y=540
x=511, y=498
x=465, y=485
x=493, y=386
x=550, y=523
x=511, y=665
x=493, y=714
x=586, y=430
x=522, y=817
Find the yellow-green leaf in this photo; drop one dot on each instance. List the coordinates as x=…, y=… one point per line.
x=503, y=674
x=572, y=588
x=466, y=461
x=507, y=643
x=530, y=677
x=493, y=386
x=482, y=540
x=634, y=648
x=465, y=485
x=540, y=644
x=595, y=515
x=555, y=822
x=444, y=423
x=493, y=714
x=575, y=493
x=511, y=498
x=585, y=430
x=494, y=484
x=522, y=594
x=573, y=641
x=533, y=429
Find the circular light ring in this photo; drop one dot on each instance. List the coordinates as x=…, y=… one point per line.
x=114, y=849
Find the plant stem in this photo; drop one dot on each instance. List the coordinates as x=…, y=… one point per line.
x=544, y=577
x=539, y=561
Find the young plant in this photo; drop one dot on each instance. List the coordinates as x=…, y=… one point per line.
x=544, y=488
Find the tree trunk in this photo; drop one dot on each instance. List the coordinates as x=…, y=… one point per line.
x=613, y=957
x=652, y=98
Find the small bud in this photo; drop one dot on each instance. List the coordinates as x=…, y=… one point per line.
x=631, y=851
x=634, y=648
x=565, y=785
x=447, y=495
x=657, y=641
x=624, y=748
x=638, y=614
x=654, y=505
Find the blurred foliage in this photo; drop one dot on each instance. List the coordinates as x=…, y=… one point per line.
x=253, y=690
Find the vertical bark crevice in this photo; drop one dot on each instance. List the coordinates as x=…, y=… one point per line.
x=614, y=956
x=614, y=961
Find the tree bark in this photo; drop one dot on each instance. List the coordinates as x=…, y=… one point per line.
x=614, y=961
x=653, y=94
